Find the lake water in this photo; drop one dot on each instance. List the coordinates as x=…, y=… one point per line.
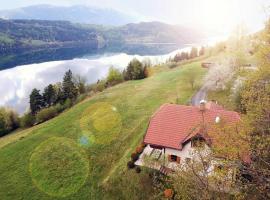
x=16, y=83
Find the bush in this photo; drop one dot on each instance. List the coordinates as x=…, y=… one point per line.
x=67, y=104
x=139, y=149
x=135, y=156
x=99, y=86
x=81, y=98
x=59, y=108
x=9, y=121
x=46, y=114
x=114, y=76
x=27, y=120
x=138, y=169
x=131, y=164
x=172, y=65
x=143, y=145
x=168, y=193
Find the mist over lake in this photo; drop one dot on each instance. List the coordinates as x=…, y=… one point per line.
x=16, y=83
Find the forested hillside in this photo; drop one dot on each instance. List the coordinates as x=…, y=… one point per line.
x=20, y=35
x=17, y=36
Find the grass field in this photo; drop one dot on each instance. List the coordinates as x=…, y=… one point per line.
x=82, y=153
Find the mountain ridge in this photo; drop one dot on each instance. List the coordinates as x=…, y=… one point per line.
x=76, y=13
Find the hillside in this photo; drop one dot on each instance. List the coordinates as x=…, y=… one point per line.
x=82, y=153
x=17, y=36
x=77, y=14
x=33, y=41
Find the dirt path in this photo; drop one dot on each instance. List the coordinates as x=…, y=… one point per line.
x=200, y=95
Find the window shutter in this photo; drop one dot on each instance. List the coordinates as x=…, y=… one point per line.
x=178, y=160
x=169, y=158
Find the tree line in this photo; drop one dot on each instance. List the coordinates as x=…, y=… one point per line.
x=194, y=52
x=55, y=98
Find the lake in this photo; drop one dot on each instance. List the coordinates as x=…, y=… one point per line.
x=16, y=83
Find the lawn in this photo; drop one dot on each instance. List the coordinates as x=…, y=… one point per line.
x=82, y=153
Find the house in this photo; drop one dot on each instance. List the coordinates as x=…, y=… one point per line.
x=207, y=65
x=175, y=131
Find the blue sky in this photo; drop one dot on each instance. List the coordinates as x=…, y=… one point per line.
x=222, y=15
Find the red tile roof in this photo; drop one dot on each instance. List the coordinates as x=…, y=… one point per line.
x=172, y=125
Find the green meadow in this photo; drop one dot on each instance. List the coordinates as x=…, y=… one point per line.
x=82, y=153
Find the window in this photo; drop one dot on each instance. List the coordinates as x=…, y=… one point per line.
x=173, y=158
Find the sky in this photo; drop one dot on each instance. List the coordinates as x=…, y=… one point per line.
x=221, y=15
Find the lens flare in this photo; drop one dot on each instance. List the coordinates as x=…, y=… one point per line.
x=58, y=167
x=100, y=124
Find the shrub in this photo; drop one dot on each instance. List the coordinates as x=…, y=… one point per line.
x=27, y=120
x=143, y=145
x=168, y=193
x=59, y=108
x=100, y=86
x=9, y=121
x=46, y=114
x=67, y=104
x=138, y=169
x=139, y=149
x=81, y=98
x=134, y=157
x=172, y=65
x=131, y=164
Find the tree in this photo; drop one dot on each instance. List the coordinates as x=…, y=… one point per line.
x=36, y=101
x=193, y=52
x=114, y=76
x=184, y=56
x=134, y=70
x=80, y=83
x=49, y=95
x=256, y=103
x=69, y=90
x=256, y=100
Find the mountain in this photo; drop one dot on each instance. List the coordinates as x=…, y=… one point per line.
x=77, y=14
x=34, y=41
x=153, y=33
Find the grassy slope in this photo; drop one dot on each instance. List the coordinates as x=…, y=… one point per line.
x=135, y=101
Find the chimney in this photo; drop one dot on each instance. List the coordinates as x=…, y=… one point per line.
x=202, y=105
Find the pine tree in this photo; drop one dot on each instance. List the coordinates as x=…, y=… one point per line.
x=36, y=101
x=69, y=89
x=49, y=95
